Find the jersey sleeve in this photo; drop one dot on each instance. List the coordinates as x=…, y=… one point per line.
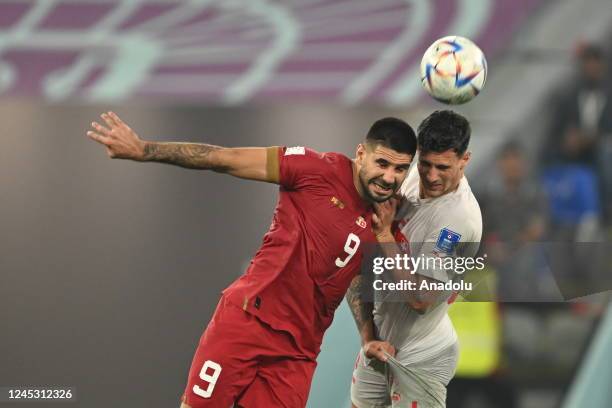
x=297, y=166
x=452, y=235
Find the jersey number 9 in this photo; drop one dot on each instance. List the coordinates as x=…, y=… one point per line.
x=211, y=379
x=350, y=247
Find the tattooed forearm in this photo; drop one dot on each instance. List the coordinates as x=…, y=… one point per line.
x=189, y=155
x=353, y=297
x=361, y=310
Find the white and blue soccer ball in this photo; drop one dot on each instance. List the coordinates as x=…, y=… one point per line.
x=453, y=70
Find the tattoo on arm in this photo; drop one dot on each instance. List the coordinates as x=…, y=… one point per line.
x=189, y=155
x=361, y=310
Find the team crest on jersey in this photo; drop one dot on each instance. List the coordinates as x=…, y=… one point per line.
x=447, y=241
x=361, y=222
x=336, y=201
x=400, y=238
x=299, y=150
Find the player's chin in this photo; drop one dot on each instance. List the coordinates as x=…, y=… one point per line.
x=380, y=197
x=435, y=192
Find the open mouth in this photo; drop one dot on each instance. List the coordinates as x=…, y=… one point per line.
x=382, y=189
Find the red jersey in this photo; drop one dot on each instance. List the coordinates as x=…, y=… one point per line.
x=312, y=251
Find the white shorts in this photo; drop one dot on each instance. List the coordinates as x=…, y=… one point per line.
x=393, y=384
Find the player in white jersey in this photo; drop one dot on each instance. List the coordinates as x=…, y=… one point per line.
x=410, y=331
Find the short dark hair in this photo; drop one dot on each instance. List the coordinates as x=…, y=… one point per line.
x=393, y=133
x=444, y=130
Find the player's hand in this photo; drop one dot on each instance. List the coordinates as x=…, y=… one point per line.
x=376, y=349
x=121, y=142
x=384, y=214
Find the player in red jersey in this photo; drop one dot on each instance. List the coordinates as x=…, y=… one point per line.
x=260, y=348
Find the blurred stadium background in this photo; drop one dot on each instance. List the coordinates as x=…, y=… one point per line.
x=110, y=270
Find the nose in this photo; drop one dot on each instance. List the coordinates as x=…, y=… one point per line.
x=432, y=175
x=389, y=176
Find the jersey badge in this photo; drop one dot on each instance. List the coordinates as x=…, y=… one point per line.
x=361, y=222
x=335, y=201
x=299, y=150
x=447, y=241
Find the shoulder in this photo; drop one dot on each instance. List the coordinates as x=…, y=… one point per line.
x=337, y=166
x=329, y=162
x=312, y=155
x=299, y=166
x=334, y=158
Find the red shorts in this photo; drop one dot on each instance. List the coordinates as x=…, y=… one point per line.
x=241, y=360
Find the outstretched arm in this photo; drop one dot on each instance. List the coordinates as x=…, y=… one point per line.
x=121, y=142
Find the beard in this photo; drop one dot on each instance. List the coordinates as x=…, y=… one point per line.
x=372, y=196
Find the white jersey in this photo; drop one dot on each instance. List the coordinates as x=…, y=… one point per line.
x=449, y=225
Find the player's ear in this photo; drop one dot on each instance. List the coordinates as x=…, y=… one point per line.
x=360, y=154
x=465, y=159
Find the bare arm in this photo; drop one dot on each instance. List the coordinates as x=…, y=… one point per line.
x=121, y=142
x=244, y=162
x=362, y=313
x=361, y=310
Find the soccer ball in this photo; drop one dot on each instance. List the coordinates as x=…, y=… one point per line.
x=453, y=70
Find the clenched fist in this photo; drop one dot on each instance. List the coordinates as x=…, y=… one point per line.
x=382, y=219
x=378, y=349
x=121, y=142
